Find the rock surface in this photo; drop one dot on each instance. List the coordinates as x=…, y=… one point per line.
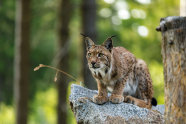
x=87, y=112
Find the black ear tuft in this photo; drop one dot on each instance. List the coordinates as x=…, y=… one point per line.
x=113, y=36
x=108, y=43
x=83, y=35
x=89, y=43
x=153, y=101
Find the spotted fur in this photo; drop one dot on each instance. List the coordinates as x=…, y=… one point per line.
x=117, y=70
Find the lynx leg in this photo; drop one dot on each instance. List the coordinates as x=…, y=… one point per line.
x=102, y=97
x=117, y=93
x=138, y=102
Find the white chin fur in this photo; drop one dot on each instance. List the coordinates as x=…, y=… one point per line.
x=100, y=70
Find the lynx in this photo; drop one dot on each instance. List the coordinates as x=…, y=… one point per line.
x=118, y=71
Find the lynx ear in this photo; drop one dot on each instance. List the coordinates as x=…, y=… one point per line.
x=89, y=43
x=108, y=44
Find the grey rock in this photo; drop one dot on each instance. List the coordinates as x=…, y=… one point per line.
x=160, y=108
x=87, y=112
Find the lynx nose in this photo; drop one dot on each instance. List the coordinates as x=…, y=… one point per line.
x=93, y=64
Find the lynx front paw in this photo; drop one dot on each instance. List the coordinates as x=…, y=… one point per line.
x=116, y=98
x=100, y=99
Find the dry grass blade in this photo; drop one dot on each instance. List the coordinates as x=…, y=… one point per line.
x=58, y=70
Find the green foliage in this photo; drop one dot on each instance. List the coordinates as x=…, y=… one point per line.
x=44, y=48
x=44, y=107
x=6, y=114
x=43, y=43
x=156, y=70
x=7, y=9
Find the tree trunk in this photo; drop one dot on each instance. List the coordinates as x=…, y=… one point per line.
x=65, y=11
x=182, y=7
x=174, y=58
x=21, y=64
x=88, y=10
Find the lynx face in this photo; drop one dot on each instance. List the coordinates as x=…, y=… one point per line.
x=99, y=57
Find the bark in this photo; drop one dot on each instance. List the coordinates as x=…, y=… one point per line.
x=182, y=7
x=174, y=58
x=21, y=64
x=65, y=11
x=88, y=10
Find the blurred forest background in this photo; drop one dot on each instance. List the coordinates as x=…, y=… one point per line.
x=54, y=39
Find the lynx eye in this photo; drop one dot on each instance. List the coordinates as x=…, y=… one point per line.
x=89, y=54
x=100, y=55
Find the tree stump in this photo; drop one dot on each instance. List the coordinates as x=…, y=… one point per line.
x=173, y=31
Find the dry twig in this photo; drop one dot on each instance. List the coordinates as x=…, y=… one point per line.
x=57, y=70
